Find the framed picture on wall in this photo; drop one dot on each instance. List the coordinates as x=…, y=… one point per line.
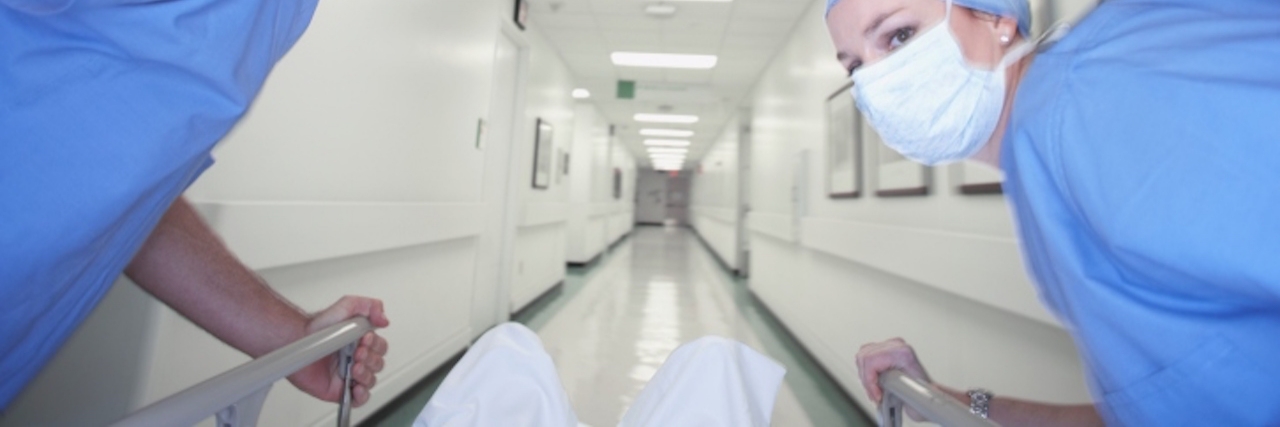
x=542, y=151
x=521, y=16
x=896, y=176
x=844, y=145
x=617, y=183
x=977, y=178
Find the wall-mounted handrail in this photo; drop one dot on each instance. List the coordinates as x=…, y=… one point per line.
x=902, y=391
x=235, y=397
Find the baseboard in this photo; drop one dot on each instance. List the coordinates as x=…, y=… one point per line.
x=714, y=255
x=538, y=301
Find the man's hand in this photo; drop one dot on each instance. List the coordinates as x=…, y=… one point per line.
x=878, y=357
x=323, y=379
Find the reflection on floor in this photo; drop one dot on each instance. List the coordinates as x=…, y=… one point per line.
x=612, y=324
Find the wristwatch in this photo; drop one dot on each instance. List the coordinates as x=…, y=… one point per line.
x=979, y=402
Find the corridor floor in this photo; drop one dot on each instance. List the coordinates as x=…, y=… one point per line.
x=612, y=324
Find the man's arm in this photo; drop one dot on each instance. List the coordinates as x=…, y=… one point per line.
x=186, y=266
x=1011, y=412
x=896, y=354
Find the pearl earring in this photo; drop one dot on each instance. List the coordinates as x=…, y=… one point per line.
x=1004, y=39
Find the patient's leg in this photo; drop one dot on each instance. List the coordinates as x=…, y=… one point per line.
x=709, y=382
x=505, y=379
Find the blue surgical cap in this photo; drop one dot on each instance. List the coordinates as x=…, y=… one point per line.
x=1012, y=8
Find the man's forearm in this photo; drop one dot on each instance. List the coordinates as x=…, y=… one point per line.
x=185, y=265
x=1011, y=412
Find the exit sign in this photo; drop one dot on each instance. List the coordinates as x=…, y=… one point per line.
x=626, y=89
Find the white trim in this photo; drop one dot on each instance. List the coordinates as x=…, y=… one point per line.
x=985, y=269
x=778, y=226
x=276, y=234
x=536, y=214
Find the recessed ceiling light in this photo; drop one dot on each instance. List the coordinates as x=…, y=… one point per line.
x=663, y=60
x=581, y=93
x=678, y=133
x=660, y=10
x=666, y=118
x=667, y=142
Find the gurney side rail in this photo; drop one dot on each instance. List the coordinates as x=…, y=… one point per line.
x=235, y=397
x=902, y=391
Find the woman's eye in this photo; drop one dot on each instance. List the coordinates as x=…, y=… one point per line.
x=900, y=37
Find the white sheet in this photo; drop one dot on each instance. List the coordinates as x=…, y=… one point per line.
x=507, y=379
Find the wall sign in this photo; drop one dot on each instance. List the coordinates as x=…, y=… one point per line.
x=844, y=145
x=542, y=154
x=977, y=178
x=897, y=176
x=521, y=16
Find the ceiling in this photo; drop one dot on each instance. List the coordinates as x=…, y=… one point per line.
x=745, y=34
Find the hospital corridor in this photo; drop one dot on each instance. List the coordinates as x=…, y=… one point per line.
x=393, y=213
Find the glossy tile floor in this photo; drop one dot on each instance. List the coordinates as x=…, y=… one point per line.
x=611, y=325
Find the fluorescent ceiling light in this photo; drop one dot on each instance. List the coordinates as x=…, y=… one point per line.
x=656, y=150
x=666, y=118
x=667, y=142
x=676, y=133
x=663, y=60
x=581, y=93
x=667, y=159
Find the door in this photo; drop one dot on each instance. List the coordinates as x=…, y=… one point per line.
x=491, y=287
x=651, y=197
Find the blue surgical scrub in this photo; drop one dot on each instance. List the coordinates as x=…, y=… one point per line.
x=108, y=111
x=1143, y=162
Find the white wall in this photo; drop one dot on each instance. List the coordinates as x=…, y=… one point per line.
x=617, y=213
x=714, y=204
x=539, y=262
x=355, y=172
x=942, y=271
x=596, y=218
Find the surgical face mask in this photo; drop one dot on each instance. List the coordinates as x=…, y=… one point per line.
x=928, y=103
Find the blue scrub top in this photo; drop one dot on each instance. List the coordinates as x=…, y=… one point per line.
x=1143, y=162
x=108, y=111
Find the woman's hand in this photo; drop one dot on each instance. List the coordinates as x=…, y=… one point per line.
x=323, y=379
x=878, y=357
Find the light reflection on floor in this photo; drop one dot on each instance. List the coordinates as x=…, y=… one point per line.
x=653, y=296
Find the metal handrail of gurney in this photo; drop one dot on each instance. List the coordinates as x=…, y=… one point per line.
x=236, y=397
x=902, y=391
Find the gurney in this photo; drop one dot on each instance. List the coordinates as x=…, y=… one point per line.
x=738, y=384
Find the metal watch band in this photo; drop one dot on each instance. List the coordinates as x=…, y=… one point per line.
x=979, y=402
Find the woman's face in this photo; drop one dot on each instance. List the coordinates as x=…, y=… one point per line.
x=866, y=31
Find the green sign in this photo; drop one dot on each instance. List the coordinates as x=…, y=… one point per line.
x=626, y=89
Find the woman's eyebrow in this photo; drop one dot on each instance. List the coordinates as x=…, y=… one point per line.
x=875, y=24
